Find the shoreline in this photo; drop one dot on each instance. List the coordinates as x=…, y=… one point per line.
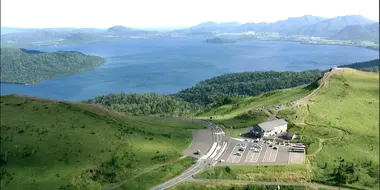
x=304, y=42
x=19, y=83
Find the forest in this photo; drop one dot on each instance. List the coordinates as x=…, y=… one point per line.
x=225, y=88
x=369, y=66
x=210, y=93
x=31, y=66
x=147, y=104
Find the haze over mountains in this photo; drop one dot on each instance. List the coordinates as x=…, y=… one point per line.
x=351, y=27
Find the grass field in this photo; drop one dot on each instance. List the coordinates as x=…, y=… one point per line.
x=58, y=145
x=342, y=124
x=228, y=186
x=230, y=111
x=278, y=173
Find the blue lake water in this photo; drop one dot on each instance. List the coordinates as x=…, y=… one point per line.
x=167, y=65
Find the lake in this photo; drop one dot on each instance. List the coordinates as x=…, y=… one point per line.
x=167, y=65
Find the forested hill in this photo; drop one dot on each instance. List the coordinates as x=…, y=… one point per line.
x=147, y=104
x=213, y=92
x=370, y=66
x=218, y=90
x=30, y=66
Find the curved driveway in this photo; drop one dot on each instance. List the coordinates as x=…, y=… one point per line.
x=207, y=160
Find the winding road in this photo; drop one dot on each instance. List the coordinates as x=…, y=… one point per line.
x=207, y=160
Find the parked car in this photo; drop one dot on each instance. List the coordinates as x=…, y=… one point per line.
x=270, y=145
x=241, y=149
x=275, y=147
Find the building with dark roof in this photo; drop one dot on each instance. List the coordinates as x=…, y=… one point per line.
x=289, y=136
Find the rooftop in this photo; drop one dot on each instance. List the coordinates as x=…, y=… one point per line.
x=288, y=134
x=269, y=125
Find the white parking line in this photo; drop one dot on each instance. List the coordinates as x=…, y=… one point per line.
x=265, y=155
x=250, y=154
x=273, y=157
x=296, y=158
x=255, y=156
x=232, y=154
x=290, y=157
x=235, y=159
x=239, y=157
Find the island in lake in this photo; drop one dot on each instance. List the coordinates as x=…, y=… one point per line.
x=218, y=40
x=31, y=66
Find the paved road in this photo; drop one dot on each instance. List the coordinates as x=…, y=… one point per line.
x=188, y=173
x=209, y=159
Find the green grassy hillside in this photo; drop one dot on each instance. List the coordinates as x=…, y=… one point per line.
x=340, y=126
x=224, y=89
x=342, y=121
x=242, y=106
x=59, y=145
x=279, y=173
x=30, y=66
x=227, y=186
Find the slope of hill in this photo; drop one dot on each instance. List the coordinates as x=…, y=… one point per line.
x=369, y=66
x=147, y=104
x=227, y=90
x=369, y=32
x=251, y=27
x=213, y=26
x=234, y=111
x=125, y=31
x=343, y=119
x=61, y=145
x=217, y=90
x=339, y=125
x=290, y=24
x=331, y=26
x=28, y=66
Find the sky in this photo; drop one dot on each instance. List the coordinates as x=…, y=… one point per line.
x=170, y=13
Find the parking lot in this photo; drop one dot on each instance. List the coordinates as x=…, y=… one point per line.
x=259, y=153
x=201, y=141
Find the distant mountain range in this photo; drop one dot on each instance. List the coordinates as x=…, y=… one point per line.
x=291, y=24
x=368, y=32
x=59, y=36
x=329, y=27
x=352, y=27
